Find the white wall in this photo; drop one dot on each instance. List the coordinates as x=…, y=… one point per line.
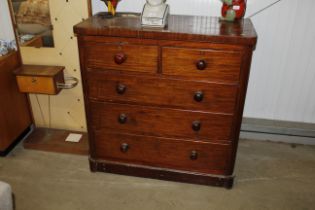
x=6, y=29
x=282, y=81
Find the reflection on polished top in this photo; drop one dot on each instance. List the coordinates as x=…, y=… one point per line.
x=180, y=27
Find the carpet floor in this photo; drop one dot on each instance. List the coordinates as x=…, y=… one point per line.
x=268, y=176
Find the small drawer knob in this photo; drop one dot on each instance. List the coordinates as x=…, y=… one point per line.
x=194, y=155
x=198, y=96
x=122, y=119
x=196, y=125
x=124, y=147
x=120, y=58
x=121, y=89
x=201, y=64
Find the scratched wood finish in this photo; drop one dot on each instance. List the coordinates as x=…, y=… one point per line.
x=139, y=89
x=43, y=85
x=161, y=121
x=154, y=95
x=180, y=27
x=162, y=152
x=15, y=115
x=220, y=65
x=139, y=58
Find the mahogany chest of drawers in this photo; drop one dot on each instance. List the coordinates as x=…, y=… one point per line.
x=165, y=104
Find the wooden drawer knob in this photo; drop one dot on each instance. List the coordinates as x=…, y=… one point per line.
x=198, y=96
x=34, y=80
x=122, y=119
x=201, y=64
x=120, y=58
x=124, y=147
x=121, y=89
x=196, y=125
x=194, y=155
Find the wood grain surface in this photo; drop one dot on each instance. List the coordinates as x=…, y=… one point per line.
x=220, y=66
x=161, y=91
x=53, y=140
x=141, y=58
x=15, y=114
x=162, y=152
x=180, y=27
x=161, y=121
x=40, y=79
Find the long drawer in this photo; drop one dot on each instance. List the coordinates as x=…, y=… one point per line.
x=162, y=152
x=162, y=92
x=202, y=64
x=201, y=126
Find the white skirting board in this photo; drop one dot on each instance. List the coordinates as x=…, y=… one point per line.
x=278, y=131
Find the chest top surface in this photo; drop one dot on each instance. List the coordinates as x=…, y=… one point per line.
x=180, y=27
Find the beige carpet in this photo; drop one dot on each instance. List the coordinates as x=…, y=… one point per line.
x=268, y=176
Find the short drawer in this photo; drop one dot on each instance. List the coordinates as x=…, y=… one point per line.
x=125, y=57
x=204, y=64
x=162, y=152
x=160, y=121
x=40, y=79
x=163, y=92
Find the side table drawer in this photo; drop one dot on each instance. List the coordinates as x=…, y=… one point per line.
x=124, y=57
x=161, y=121
x=146, y=90
x=203, y=64
x=40, y=79
x=162, y=152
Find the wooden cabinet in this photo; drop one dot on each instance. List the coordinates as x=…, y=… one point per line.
x=165, y=104
x=15, y=115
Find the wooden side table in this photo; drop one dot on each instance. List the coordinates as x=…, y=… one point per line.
x=49, y=80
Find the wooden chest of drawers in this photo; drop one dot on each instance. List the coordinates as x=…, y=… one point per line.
x=165, y=104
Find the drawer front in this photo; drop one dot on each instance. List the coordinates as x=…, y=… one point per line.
x=160, y=122
x=210, y=65
x=164, y=92
x=43, y=85
x=162, y=152
x=125, y=57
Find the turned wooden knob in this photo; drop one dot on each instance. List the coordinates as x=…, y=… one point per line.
x=198, y=96
x=120, y=58
x=194, y=155
x=122, y=119
x=124, y=147
x=34, y=80
x=201, y=64
x=121, y=89
x=196, y=125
